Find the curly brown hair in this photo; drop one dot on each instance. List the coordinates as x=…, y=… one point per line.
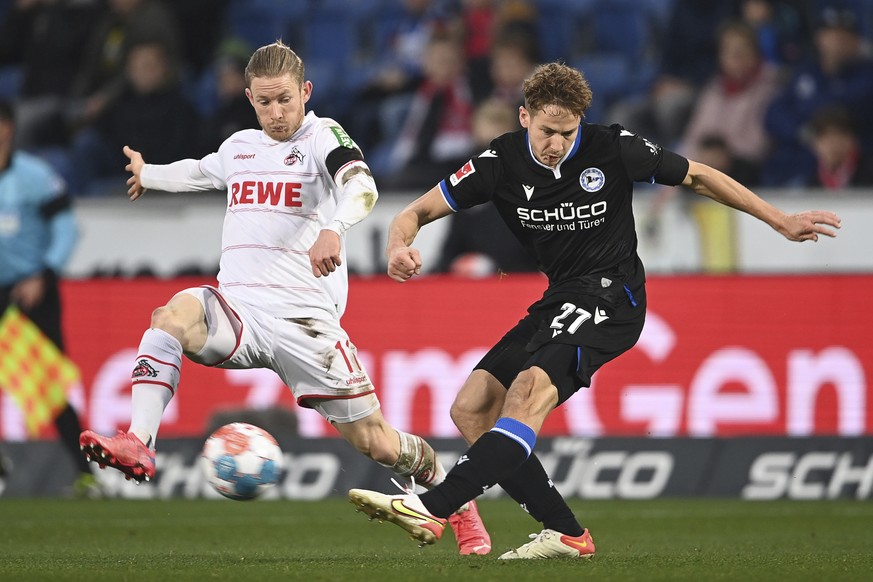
x=275, y=60
x=560, y=85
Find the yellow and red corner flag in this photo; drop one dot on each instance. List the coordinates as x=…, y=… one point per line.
x=33, y=370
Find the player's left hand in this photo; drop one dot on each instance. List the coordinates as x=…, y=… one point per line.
x=809, y=225
x=324, y=256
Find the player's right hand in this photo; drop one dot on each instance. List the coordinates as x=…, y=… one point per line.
x=403, y=263
x=135, y=168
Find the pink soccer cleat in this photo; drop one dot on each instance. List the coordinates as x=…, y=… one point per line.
x=124, y=452
x=470, y=532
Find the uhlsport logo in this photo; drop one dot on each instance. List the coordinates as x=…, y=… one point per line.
x=592, y=179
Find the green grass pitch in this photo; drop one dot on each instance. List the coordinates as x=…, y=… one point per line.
x=700, y=539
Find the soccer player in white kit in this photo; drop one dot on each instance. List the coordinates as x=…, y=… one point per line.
x=293, y=190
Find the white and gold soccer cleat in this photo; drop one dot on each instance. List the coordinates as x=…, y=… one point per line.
x=406, y=511
x=552, y=544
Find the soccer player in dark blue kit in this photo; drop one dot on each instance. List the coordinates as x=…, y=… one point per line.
x=564, y=188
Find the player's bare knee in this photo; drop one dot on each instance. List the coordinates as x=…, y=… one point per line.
x=460, y=412
x=530, y=398
x=477, y=405
x=165, y=319
x=470, y=422
x=523, y=386
x=461, y=419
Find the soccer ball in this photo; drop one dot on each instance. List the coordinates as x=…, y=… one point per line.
x=241, y=461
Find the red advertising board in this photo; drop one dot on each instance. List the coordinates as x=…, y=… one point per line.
x=720, y=356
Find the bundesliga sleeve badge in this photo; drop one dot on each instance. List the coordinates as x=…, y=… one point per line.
x=466, y=170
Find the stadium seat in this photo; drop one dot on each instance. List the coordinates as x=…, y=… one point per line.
x=331, y=36
x=581, y=28
x=10, y=81
x=609, y=76
x=625, y=27
x=355, y=8
x=328, y=97
x=621, y=51
x=340, y=43
x=867, y=19
x=659, y=11
x=557, y=29
x=261, y=22
x=863, y=9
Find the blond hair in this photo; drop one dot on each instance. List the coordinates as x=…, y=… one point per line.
x=275, y=60
x=560, y=85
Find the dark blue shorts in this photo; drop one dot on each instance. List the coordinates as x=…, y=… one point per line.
x=570, y=333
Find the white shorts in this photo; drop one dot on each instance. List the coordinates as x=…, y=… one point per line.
x=314, y=357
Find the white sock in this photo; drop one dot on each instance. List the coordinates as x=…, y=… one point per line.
x=418, y=460
x=154, y=381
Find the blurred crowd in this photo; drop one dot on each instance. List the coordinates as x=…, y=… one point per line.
x=774, y=92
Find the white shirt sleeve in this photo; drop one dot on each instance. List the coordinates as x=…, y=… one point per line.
x=356, y=196
x=184, y=175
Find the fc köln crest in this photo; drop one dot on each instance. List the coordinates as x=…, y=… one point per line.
x=144, y=369
x=294, y=157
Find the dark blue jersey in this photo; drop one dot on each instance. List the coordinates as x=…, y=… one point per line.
x=576, y=218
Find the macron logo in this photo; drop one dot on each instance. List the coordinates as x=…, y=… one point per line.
x=528, y=190
x=599, y=316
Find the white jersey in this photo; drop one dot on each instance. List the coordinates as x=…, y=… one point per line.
x=280, y=195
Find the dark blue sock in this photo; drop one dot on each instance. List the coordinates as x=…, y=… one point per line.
x=495, y=456
x=531, y=487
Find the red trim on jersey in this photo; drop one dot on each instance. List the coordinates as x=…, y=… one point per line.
x=271, y=173
x=164, y=384
x=266, y=248
x=301, y=399
x=307, y=215
x=272, y=286
x=227, y=307
x=341, y=168
x=158, y=361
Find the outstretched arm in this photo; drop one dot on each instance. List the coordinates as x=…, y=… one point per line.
x=183, y=176
x=403, y=260
x=802, y=226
